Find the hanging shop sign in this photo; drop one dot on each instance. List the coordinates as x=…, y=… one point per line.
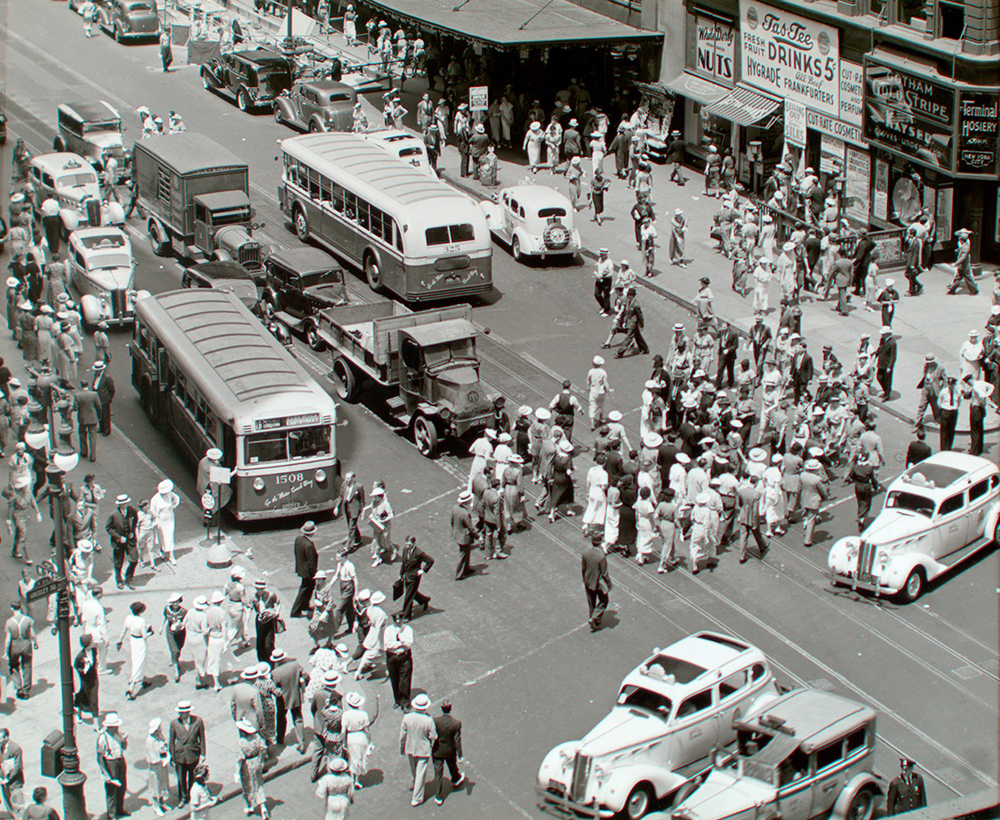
x=910, y=114
x=795, y=124
x=715, y=50
x=790, y=57
x=826, y=124
x=857, y=185
x=978, y=113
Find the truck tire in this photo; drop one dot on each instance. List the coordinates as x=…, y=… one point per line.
x=157, y=242
x=373, y=273
x=301, y=224
x=425, y=436
x=243, y=100
x=313, y=339
x=862, y=806
x=344, y=380
x=639, y=803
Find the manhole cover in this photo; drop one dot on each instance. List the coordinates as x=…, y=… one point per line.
x=991, y=667
x=435, y=642
x=966, y=672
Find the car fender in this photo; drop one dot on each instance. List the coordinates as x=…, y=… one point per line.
x=553, y=766
x=113, y=214
x=70, y=218
x=837, y=558
x=616, y=788
x=493, y=213
x=320, y=124
x=899, y=567
x=991, y=519
x=862, y=780
x=529, y=243
x=285, y=106
x=90, y=307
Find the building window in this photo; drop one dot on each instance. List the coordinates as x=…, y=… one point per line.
x=952, y=19
x=876, y=7
x=911, y=13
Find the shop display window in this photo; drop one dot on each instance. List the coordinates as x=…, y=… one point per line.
x=911, y=13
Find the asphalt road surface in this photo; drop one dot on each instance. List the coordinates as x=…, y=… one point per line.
x=510, y=647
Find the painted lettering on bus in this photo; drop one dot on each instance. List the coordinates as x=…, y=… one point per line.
x=278, y=497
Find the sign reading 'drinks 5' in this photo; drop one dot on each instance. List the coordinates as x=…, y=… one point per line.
x=791, y=57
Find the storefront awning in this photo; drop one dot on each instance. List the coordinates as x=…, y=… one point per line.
x=744, y=106
x=515, y=23
x=697, y=88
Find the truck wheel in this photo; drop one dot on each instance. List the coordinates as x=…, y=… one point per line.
x=243, y=99
x=425, y=436
x=862, y=806
x=515, y=249
x=156, y=241
x=914, y=585
x=344, y=380
x=313, y=339
x=640, y=801
x=301, y=225
x=373, y=274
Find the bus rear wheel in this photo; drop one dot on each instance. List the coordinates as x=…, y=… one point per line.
x=301, y=225
x=373, y=274
x=345, y=382
x=425, y=436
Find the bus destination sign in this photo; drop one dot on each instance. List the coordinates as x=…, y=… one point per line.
x=287, y=421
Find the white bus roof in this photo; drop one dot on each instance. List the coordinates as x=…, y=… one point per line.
x=237, y=365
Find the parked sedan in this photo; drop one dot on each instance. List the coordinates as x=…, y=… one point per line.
x=230, y=276
x=534, y=221
x=253, y=77
x=102, y=270
x=316, y=105
x=129, y=19
x=937, y=514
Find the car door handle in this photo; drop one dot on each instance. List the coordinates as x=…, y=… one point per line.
x=829, y=787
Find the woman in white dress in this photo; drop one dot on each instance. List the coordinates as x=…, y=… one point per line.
x=768, y=237
x=355, y=725
x=161, y=507
x=611, y=517
x=644, y=526
x=774, y=497
x=677, y=479
x=137, y=631
x=501, y=454
x=597, y=495
x=482, y=452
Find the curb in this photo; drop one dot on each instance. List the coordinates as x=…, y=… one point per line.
x=231, y=791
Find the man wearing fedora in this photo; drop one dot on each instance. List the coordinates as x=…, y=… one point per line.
x=104, y=386
x=447, y=749
x=121, y=528
x=417, y=735
x=464, y=533
x=288, y=676
x=88, y=416
x=963, y=264
x=244, y=700
x=112, y=741
x=306, y=564
x=187, y=748
x=415, y=563
x=596, y=581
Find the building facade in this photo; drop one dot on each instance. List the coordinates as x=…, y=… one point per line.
x=893, y=102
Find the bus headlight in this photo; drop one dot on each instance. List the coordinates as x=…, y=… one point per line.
x=321, y=476
x=258, y=484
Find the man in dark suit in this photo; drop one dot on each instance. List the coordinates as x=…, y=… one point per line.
x=187, y=748
x=415, y=562
x=306, y=564
x=596, y=582
x=447, y=749
x=464, y=533
x=802, y=372
x=885, y=361
x=748, y=517
x=728, y=344
x=760, y=342
x=634, y=323
x=288, y=676
x=862, y=256
x=104, y=386
x=352, y=499
x=88, y=415
x=121, y=527
x=918, y=450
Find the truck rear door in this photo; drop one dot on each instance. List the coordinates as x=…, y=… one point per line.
x=202, y=228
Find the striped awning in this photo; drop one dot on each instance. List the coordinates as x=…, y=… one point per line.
x=744, y=106
x=697, y=88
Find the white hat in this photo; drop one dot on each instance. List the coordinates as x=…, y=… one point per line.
x=543, y=414
x=652, y=384
x=615, y=415
x=201, y=602
x=218, y=597
x=123, y=498
x=885, y=330
x=565, y=446
x=524, y=410
x=246, y=726
x=788, y=246
x=504, y=438
x=777, y=458
x=112, y=720
x=355, y=700
x=378, y=489
x=702, y=499
x=890, y=282
x=184, y=706
x=155, y=724
x=331, y=677
x=213, y=453
x=421, y=702
x=85, y=546
x=377, y=597
x=598, y=361
x=682, y=458
x=758, y=454
x=464, y=497
x=165, y=486
x=652, y=440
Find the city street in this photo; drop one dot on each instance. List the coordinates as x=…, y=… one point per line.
x=510, y=647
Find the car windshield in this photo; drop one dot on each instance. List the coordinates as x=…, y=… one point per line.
x=323, y=277
x=108, y=127
x=437, y=355
x=544, y=213
x=76, y=180
x=900, y=500
x=106, y=261
x=641, y=698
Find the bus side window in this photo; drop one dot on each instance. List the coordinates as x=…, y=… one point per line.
x=351, y=209
x=338, y=198
x=325, y=190
x=399, y=237
x=364, y=218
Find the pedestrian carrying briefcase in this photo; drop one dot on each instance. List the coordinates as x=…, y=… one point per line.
x=397, y=589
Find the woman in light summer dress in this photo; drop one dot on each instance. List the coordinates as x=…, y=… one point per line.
x=252, y=753
x=356, y=724
x=597, y=494
x=158, y=761
x=336, y=790
x=137, y=631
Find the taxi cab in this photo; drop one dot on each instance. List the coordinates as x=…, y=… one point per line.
x=937, y=514
x=807, y=754
x=102, y=269
x=672, y=712
x=535, y=221
x=72, y=182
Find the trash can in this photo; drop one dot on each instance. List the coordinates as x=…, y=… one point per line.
x=52, y=748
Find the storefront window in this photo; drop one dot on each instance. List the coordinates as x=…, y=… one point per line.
x=952, y=20
x=714, y=130
x=911, y=13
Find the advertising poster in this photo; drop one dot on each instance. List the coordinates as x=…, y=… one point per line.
x=909, y=114
x=881, y=189
x=479, y=97
x=858, y=170
x=795, y=124
x=852, y=92
x=978, y=112
x=716, y=50
x=831, y=155
x=790, y=57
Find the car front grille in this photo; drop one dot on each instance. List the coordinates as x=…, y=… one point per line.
x=250, y=255
x=118, y=303
x=866, y=560
x=581, y=773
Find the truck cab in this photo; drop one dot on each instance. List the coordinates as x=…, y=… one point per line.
x=439, y=381
x=223, y=228
x=807, y=754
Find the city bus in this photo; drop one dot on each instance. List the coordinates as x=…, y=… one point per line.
x=211, y=375
x=412, y=235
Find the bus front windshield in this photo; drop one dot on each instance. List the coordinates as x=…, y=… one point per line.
x=287, y=445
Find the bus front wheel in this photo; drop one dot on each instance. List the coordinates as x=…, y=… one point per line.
x=425, y=436
x=301, y=225
x=344, y=379
x=373, y=274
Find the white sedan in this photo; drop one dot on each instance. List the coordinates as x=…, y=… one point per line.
x=937, y=514
x=535, y=221
x=102, y=269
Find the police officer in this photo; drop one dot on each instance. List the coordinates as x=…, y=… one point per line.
x=906, y=791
